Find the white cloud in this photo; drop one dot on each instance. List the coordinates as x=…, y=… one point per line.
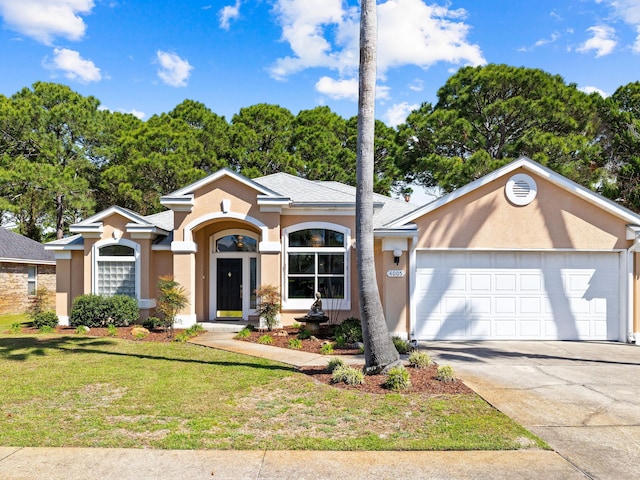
x=629, y=11
x=602, y=41
x=133, y=111
x=589, y=90
x=417, y=85
x=45, y=19
x=322, y=33
x=398, y=113
x=228, y=13
x=338, y=89
x=173, y=71
x=74, y=66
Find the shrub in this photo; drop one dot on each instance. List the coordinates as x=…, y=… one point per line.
x=42, y=319
x=15, y=327
x=418, y=359
x=152, y=323
x=99, y=311
x=265, y=340
x=39, y=303
x=335, y=363
x=195, y=330
x=304, y=334
x=46, y=329
x=348, y=375
x=112, y=330
x=81, y=330
x=398, y=379
x=402, y=346
x=171, y=299
x=295, y=343
x=296, y=325
x=340, y=341
x=326, y=349
x=350, y=329
x=244, y=333
x=268, y=304
x=445, y=374
x=182, y=337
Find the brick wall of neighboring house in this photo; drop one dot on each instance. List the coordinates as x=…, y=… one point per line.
x=13, y=286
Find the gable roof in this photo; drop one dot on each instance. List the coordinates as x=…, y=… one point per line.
x=533, y=167
x=19, y=249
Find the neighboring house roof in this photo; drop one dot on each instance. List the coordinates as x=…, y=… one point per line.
x=533, y=167
x=19, y=249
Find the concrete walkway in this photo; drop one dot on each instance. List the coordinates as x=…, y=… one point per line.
x=125, y=464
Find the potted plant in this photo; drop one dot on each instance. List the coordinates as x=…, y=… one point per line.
x=268, y=305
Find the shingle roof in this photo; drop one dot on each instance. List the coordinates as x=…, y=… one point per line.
x=19, y=248
x=302, y=191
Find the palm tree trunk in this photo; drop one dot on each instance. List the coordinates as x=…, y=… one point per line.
x=380, y=353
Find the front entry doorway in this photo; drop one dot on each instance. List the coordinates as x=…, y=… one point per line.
x=234, y=275
x=229, y=291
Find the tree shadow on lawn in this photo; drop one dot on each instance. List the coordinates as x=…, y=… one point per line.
x=22, y=348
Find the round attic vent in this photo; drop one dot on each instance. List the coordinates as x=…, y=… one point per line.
x=521, y=189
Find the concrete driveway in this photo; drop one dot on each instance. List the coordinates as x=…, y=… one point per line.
x=583, y=398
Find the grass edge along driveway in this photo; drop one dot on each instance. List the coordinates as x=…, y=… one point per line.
x=81, y=391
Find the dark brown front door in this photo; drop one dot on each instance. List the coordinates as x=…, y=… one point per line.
x=229, y=286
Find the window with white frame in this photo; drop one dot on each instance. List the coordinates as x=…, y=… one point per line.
x=115, y=270
x=32, y=280
x=317, y=261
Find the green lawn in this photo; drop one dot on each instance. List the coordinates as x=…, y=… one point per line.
x=103, y=392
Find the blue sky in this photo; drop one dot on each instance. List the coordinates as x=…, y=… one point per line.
x=145, y=57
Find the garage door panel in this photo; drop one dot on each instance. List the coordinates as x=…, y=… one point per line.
x=533, y=295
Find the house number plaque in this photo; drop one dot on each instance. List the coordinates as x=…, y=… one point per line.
x=395, y=273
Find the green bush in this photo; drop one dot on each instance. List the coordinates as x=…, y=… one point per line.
x=348, y=375
x=195, y=330
x=42, y=319
x=244, y=333
x=112, y=330
x=153, y=323
x=295, y=343
x=326, y=349
x=418, y=359
x=265, y=340
x=46, y=329
x=350, y=329
x=15, y=327
x=304, y=334
x=99, y=311
x=445, y=374
x=402, y=346
x=398, y=379
x=340, y=341
x=182, y=337
x=335, y=363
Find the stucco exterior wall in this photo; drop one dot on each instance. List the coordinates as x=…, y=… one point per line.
x=554, y=220
x=14, y=296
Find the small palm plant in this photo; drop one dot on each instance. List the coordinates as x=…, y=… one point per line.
x=171, y=299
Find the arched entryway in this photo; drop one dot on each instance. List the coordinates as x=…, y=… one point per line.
x=233, y=276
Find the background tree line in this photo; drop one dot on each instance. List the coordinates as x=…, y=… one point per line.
x=63, y=158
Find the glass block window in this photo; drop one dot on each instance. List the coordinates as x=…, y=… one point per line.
x=116, y=271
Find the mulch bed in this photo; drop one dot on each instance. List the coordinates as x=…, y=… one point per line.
x=159, y=336
x=423, y=380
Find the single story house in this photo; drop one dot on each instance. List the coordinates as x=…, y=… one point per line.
x=522, y=253
x=25, y=266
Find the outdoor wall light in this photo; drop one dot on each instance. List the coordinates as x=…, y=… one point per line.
x=397, y=253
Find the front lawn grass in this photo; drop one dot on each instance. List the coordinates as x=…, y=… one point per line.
x=83, y=391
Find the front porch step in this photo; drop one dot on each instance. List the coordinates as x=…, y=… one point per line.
x=224, y=326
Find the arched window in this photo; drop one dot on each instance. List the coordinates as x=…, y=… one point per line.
x=115, y=272
x=317, y=261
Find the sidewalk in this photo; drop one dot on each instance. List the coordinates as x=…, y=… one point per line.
x=144, y=464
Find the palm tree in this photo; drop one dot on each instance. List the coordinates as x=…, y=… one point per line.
x=380, y=353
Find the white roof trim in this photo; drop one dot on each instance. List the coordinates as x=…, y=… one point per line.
x=89, y=224
x=224, y=172
x=534, y=167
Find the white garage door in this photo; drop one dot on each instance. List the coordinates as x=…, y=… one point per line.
x=515, y=295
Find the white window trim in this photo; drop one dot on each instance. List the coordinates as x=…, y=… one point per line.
x=327, y=303
x=95, y=255
x=34, y=280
